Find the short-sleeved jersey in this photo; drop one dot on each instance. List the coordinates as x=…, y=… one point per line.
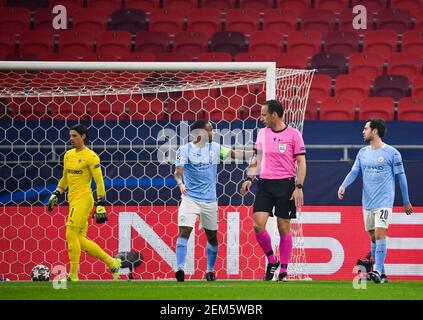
x=200, y=169
x=278, y=152
x=78, y=170
x=379, y=167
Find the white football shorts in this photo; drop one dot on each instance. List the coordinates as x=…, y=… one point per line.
x=190, y=209
x=376, y=218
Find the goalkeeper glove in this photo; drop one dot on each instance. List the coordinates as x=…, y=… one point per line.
x=53, y=200
x=100, y=213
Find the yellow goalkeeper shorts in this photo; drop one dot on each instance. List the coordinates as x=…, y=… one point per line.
x=79, y=211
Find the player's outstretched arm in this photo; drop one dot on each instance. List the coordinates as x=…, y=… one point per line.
x=251, y=174
x=298, y=195
x=61, y=187
x=408, y=208
x=179, y=173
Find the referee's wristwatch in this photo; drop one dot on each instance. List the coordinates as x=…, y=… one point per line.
x=299, y=186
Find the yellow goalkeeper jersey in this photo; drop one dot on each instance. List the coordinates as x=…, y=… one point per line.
x=78, y=170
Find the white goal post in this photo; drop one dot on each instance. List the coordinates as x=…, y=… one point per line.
x=138, y=114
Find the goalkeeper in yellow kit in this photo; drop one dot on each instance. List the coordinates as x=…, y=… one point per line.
x=81, y=165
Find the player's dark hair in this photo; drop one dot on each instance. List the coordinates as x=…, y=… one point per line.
x=274, y=106
x=81, y=129
x=379, y=124
x=199, y=124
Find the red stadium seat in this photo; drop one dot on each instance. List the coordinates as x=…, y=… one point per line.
x=250, y=57
x=29, y=4
x=329, y=63
x=7, y=44
x=36, y=42
x=406, y=64
x=337, y=109
x=131, y=20
x=129, y=57
x=307, y=43
x=109, y=5
x=155, y=42
x=219, y=4
x=321, y=87
x=190, y=42
x=398, y=20
x=207, y=21
x=376, y=107
x=265, y=42
x=146, y=5
x=167, y=21
x=354, y=87
x=291, y=60
x=279, y=20
x=116, y=43
x=228, y=41
x=312, y=110
x=90, y=20
x=75, y=43
x=381, y=42
x=367, y=64
x=174, y=57
x=318, y=20
x=410, y=5
x=412, y=42
x=75, y=56
x=334, y=5
x=256, y=4
x=393, y=86
x=371, y=5
x=345, y=42
x=298, y=6
x=214, y=57
x=410, y=109
x=14, y=20
x=418, y=19
x=417, y=87
x=180, y=6
x=242, y=20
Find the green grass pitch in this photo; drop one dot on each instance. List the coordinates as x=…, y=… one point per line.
x=219, y=290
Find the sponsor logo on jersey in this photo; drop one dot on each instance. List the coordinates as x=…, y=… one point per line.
x=73, y=171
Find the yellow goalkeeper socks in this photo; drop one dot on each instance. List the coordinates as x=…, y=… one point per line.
x=74, y=250
x=94, y=249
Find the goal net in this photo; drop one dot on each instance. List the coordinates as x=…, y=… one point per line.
x=137, y=114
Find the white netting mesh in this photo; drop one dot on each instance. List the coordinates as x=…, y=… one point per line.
x=136, y=121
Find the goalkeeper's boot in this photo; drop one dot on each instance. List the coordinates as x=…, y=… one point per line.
x=375, y=276
x=270, y=270
x=114, y=268
x=72, y=278
x=180, y=275
x=211, y=276
x=283, y=276
x=383, y=278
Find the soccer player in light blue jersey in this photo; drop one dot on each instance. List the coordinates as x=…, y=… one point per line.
x=196, y=176
x=379, y=164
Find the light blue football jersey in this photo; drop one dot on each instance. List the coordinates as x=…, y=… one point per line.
x=379, y=168
x=200, y=169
